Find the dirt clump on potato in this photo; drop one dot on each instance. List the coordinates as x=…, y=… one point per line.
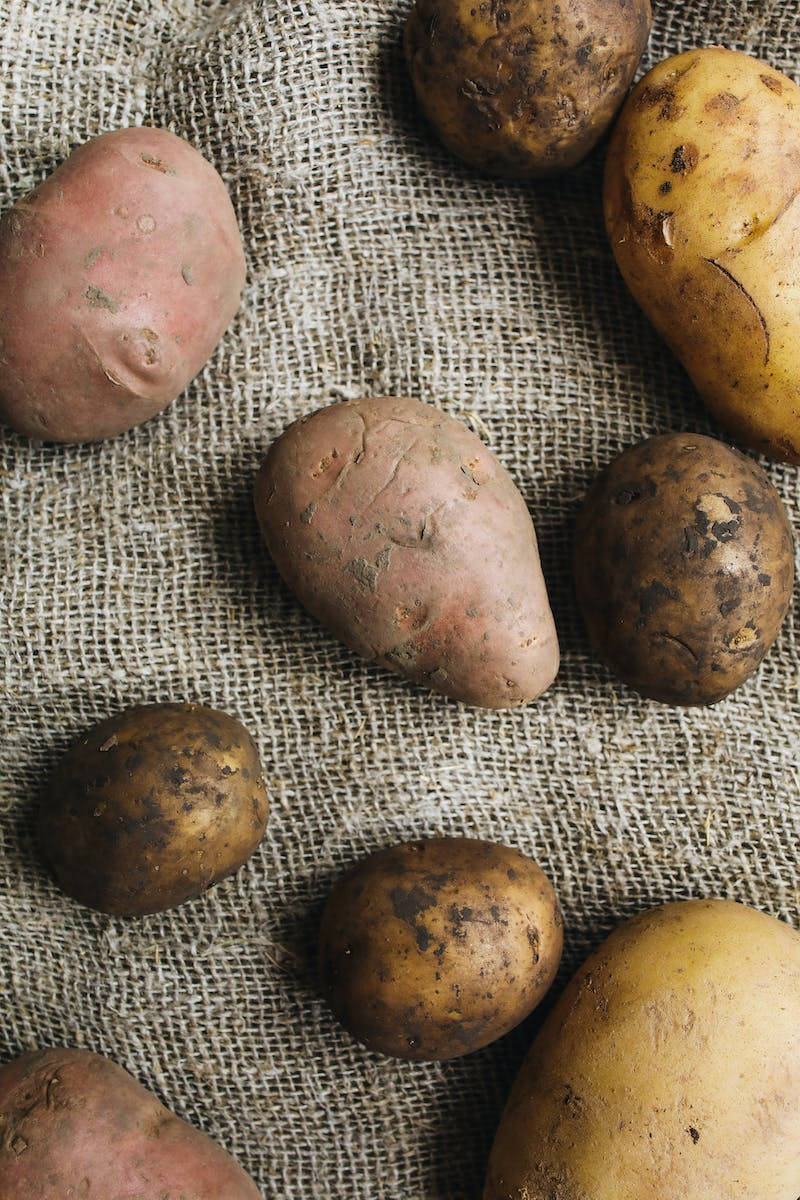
x=432, y=949
x=524, y=88
x=152, y=807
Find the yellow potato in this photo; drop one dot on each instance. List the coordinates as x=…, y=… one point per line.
x=668, y=1070
x=702, y=206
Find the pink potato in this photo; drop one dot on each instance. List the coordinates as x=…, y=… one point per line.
x=74, y=1126
x=402, y=533
x=118, y=276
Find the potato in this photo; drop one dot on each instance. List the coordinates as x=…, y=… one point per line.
x=400, y=531
x=74, y=1126
x=118, y=276
x=524, y=88
x=683, y=567
x=432, y=949
x=702, y=206
x=152, y=807
x=670, y=1067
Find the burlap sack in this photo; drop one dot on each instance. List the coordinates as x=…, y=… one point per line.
x=132, y=571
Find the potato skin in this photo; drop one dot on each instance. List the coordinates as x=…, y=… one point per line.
x=402, y=533
x=702, y=207
x=432, y=949
x=524, y=88
x=152, y=807
x=669, y=1067
x=118, y=276
x=74, y=1124
x=684, y=567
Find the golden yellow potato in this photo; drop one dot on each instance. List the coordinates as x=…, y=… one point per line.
x=684, y=566
x=702, y=207
x=524, y=88
x=153, y=806
x=432, y=949
x=668, y=1070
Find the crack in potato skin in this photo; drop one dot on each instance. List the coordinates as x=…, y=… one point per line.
x=718, y=133
x=413, y=546
x=523, y=88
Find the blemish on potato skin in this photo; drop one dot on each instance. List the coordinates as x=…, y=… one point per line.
x=99, y=299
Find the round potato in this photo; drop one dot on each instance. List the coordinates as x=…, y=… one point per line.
x=432, y=949
x=118, y=276
x=524, y=88
x=669, y=1067
x=702, y=207
x=400, y=531
x=153, y=806
x=75, y=1126
x=684, y=567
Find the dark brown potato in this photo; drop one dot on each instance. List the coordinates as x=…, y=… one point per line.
x=433, y=949
x=524, y=88
x=152, y=807
x=683, y=567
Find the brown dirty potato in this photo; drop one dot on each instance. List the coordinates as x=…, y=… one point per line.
x=152, y=807
x=118, y=276
x=669, y=1069
x=683, y=567
x=75, y=1126
x=433, y=949
x=524, y=88
x=400, y=531
x=702, y=207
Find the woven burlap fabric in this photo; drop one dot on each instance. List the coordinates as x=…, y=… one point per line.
x=132, y=571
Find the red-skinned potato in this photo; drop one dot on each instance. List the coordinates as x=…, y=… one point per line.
x=75, y=1125
x=402, y=533
x=118, y=276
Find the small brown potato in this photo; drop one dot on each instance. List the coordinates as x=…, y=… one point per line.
x=684, y=567
x=74, y=1126
x=432, y=949
x=702, y=207
x=118, y=277
x=402, y=533
x=152, y=807
x=524, y=88
x=669, y=1069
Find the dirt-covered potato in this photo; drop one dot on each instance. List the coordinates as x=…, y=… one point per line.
x=153, y=806
x=683, y=567
x=432, y=949
x=74, y=1126
x=118, y=276
x=524, y=88
x=400, y=531
x=669, y=1069
x=702, y=205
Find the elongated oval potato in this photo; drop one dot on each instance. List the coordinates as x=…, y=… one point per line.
x=118, y=276
x=400, y=531
x=702, y=207
x=670, y=1067
x=433, y=949
x=153, y=806
x=75, y=1125
x=524, y=88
